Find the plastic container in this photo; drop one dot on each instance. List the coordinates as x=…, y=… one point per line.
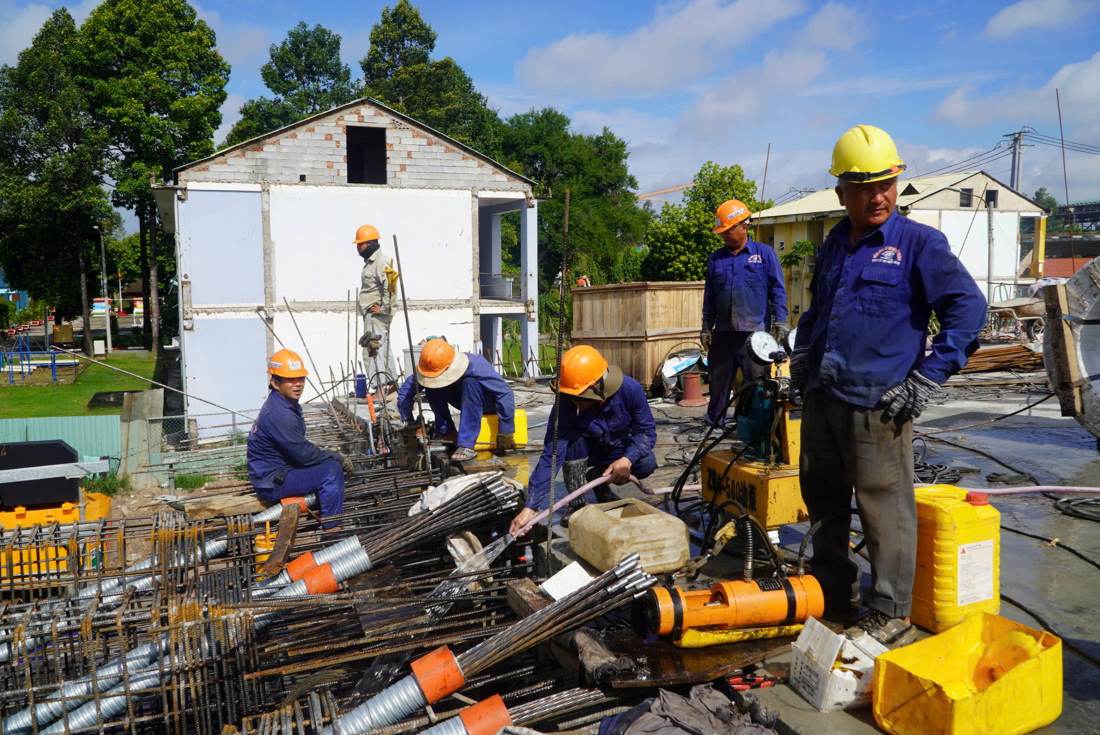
x=360, y=386
x=986, y=676
x=487, y=437
x=958, y=557
x=604, y=533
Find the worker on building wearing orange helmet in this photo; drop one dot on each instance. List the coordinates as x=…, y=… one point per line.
x=468, y=382
x=376, y=292
x=861, y=359
x=606, y=428
x=281, y=461
x=743, y=294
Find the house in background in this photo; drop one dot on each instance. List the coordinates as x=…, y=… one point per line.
x=954, y=203
x=274, y=218
x=19, y=298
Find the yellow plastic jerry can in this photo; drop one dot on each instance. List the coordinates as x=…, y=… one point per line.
x=958, y=557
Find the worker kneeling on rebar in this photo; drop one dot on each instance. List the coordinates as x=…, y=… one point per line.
x=282, y=463
x=468, y=382
x=606, y=428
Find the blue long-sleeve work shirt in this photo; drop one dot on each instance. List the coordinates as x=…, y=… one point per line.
x=479, y=391
x=868, y=320
x=744, y=291
x=621, y=426
x=277, y=442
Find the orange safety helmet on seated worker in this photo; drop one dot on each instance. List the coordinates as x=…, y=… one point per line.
x=440, y=364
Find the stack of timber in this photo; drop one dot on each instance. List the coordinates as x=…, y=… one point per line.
x=636, y=325
x=1004, y=357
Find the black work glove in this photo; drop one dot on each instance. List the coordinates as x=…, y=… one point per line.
x=506, y=442
x=799, y=369
x=705, y=338
x=906, y=401
x=780, y=330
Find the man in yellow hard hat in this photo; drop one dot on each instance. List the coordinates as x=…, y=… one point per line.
x=606, y=428
x=376, y=294
x=860, y=359
x=468, y=382
x=743, y=293
x=282, y=463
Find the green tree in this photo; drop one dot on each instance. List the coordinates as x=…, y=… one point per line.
x=52, y=158
x=1045, y=199
x=679, y=239
x=157, y=82
x=399, y=40
x=305, y=74
x=398, y=70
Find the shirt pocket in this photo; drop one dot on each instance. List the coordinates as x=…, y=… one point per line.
x=881, y=290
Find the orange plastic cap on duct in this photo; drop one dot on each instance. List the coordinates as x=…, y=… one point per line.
x=487, y=717
x=438, y=674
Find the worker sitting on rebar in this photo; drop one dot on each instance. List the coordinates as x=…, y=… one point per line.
x=282, y=463
x=606, y=428
x=469, y=383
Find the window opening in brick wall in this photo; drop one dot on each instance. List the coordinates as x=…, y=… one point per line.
x=991, y=198
x=366, y=155
x=966, y=198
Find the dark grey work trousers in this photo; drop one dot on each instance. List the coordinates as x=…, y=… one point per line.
x=729, y=352
x=846, y=448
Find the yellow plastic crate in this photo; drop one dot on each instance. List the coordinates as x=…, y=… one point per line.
x=487, y=437
x=986, y=676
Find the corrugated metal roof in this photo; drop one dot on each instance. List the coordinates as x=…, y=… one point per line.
x=90, y=436
x=824, y=201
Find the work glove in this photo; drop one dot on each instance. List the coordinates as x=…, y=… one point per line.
x=365, y=339
x=780, y=330
x=506, y=442
x=463, y=454
x=906, y=401
x=345, y=463
x=705, y=339
x=799, y=369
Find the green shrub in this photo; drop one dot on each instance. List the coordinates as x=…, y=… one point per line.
x=110, y=484
x=191, y=481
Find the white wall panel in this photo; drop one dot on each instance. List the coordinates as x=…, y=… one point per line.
x=221, y=247
x=225, y=364
x=312, y=229
x=967, y=232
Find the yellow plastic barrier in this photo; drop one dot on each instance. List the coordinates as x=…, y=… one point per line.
x=986, y=676
x=47, y=559
x=487, y=437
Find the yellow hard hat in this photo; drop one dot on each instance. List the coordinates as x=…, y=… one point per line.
x=864, y=154
x=366, y=233
x=286, y=364
x=728, y=214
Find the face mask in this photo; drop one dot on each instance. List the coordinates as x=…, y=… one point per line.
x=370, y=250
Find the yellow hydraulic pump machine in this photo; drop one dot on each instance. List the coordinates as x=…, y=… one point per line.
x=762, y=476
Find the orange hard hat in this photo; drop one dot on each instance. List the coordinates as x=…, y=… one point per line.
x=286, y=364
x=366, y=233
x=581, y=368
x=440, y=364
x=728, y=214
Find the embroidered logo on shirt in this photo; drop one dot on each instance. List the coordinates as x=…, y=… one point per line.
x=889, y=254
x=755, y=258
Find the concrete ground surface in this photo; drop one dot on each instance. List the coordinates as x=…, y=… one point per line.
x=1049, y=581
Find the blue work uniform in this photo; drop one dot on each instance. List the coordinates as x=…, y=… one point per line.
x=865, y=332
x=480, y=390
x=621, y=426
x=868, y=319
x=743, y=294
x=283, y=463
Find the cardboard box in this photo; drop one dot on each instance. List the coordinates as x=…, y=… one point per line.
x=832, y=671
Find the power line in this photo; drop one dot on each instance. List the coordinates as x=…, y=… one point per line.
x=944, y=169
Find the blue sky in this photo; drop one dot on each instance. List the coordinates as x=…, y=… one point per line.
x=692, y=80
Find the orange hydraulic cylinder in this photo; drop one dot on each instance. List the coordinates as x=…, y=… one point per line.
x=735, y=604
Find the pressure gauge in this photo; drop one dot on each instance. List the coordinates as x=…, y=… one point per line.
x=762, y=346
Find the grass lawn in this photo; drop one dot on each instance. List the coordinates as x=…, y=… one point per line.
x=22, y=401
x=513, y=359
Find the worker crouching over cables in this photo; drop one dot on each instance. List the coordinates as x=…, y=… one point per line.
x=282, y=463
x=606, y=428
x=468, y=382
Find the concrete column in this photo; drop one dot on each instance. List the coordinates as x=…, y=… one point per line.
x=529, y=261
x=492, y=337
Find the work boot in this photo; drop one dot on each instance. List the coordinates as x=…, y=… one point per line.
x=890, y=632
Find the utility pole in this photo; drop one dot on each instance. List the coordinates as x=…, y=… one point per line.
x=989, y=250
x=1017, y=157
x=103, y=282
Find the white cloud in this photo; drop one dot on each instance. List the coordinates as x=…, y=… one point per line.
x=836, y=26
x=1035, y=14
x=241, y=44
x=1079, y=86
x=636, y=128
x=18, y=24
x=231, y=113
x=681, y=43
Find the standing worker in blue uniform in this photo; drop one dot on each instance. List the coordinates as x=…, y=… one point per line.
x=468, y=382
x=606, y=428
x=743, y=294
x=860, y=360
x=282, y=463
